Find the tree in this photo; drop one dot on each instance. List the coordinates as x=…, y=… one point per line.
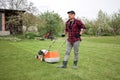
x=14, y=23
x=29, y=20
x=115, y=23
x=50, y=22
x=100, y=26
x=102, y=23
x=18, y=5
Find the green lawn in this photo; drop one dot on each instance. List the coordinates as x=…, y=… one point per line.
x=99, y=60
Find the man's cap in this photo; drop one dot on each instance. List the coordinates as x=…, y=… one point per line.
x=72, y=12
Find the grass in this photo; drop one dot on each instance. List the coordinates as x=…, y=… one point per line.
x=99, y=59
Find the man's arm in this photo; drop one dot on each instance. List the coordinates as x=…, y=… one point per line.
x=65, y=31
x=82, y=31
x=82, y=27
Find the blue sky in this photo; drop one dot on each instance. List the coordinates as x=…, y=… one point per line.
x=83, y=8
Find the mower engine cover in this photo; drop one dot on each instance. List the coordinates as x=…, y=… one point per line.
x=48, y=56
x=52, y=57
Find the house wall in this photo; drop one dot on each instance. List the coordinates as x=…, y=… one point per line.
x=0, y=21
x=2, y=25
x=3, y=21
x=6, y=29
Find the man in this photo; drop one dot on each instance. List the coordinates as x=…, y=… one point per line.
x=75, y=29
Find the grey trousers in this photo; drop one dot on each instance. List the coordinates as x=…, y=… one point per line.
x=69, y=48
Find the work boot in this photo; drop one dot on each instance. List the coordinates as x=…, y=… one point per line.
x=75, y=65
x=64, y=65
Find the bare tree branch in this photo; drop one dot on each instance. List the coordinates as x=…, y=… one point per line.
x=2, y=4
x=18, y=4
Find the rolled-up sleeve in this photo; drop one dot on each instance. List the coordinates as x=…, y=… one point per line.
x=66, y=29
x=81, y=25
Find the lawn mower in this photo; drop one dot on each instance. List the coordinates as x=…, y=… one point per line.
x=49, y=56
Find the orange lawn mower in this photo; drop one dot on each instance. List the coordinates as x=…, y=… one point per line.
x=49, y=56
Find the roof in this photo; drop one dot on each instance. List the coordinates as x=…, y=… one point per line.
x=7, y=10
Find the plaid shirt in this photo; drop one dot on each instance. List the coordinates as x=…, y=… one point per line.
x=74, y=28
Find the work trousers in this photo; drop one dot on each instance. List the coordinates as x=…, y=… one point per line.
x=75, y=45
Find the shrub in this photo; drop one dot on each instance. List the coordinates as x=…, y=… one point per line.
x=30, y=35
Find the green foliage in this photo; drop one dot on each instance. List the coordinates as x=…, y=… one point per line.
x=107, y=34
x=29, y=20
x=89, y=29
x=30, y=35
x=115, y=23
x=50, y=22
x=104, y=25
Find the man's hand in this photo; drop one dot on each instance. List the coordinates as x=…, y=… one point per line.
x=63, y=35
x=77, y=35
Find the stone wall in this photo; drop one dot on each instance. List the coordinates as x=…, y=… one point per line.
x=4, y=33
